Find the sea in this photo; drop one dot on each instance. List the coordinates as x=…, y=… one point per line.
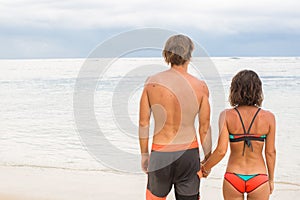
x=41, y=118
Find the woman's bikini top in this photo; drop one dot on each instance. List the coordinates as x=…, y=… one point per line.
x=247, y=137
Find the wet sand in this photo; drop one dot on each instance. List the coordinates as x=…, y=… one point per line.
x=25, y=183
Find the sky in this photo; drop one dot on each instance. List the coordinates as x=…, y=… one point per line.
x=73, y=28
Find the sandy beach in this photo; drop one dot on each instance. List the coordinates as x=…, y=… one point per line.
x=28, y=183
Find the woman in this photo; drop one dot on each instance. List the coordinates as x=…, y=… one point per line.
x=247, y=127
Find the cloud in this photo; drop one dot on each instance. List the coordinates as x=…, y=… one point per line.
x=215, y=16
x=72, y=28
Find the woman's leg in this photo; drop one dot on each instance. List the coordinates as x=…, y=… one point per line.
x=230, y=193
x=261, y=193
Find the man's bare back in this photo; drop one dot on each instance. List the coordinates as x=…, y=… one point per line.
x=174, y=97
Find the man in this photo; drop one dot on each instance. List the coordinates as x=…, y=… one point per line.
x=175, y=98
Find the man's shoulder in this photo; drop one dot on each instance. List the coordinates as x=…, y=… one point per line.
x=198, y=83
x=156, y=77
x=196, y=80
x=158, y=74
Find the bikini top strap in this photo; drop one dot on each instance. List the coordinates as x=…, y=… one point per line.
x=253, y=120
x=241, y=119
x=247, y=141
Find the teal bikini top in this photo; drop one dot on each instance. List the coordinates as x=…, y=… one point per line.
x=246, y=136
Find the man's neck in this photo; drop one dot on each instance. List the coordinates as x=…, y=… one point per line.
x=181, y=68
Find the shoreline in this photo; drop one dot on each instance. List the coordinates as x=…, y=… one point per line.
x=28, y=183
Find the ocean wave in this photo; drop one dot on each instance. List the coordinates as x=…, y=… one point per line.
x=62, y=168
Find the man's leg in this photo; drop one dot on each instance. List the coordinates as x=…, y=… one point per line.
x=181, y=197
x=187, y=182
x=159, y=177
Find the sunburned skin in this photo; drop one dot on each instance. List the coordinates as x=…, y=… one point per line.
x=174, y=97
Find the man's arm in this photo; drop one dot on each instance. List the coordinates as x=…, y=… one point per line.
x=144, y=129
x=204, y=124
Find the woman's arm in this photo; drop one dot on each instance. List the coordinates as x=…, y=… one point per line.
x=221, y=148
x=270, y=151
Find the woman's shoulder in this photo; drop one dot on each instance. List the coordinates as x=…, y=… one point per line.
x=267, y=114
x=232, y=110
x=227, y=113
x=231, y=113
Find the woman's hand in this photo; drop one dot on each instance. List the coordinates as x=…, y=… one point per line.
x=271, y=184
x=205, y=172
x=145, y=162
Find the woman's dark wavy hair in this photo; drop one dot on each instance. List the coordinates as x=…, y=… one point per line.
x=246, y=89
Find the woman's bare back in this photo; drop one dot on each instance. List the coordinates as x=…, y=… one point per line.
x=252, y=161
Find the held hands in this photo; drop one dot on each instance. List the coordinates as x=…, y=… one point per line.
x=203, y=173
x=145, y=162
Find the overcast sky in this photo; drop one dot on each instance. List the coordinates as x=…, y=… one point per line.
x=64, y=29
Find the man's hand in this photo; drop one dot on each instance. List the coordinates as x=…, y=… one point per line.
x=145, y=162
x=205, y=172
